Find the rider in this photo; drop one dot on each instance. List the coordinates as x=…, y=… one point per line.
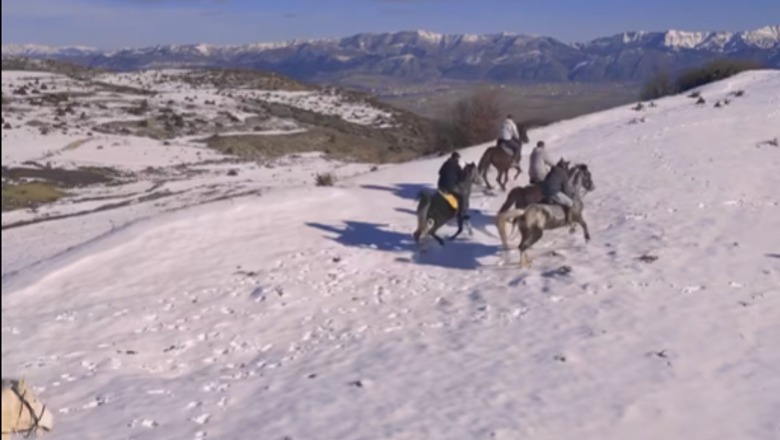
x=557, y=189
x=511, y=137
x=449, y=176
x=540, y=164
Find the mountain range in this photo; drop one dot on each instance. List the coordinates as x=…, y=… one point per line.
x=423, y=56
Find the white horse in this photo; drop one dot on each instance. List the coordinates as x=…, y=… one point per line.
x=23, y=412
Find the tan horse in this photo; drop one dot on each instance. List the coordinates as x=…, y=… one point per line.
x=23, y=413
x=539, y=217
x=499, y=158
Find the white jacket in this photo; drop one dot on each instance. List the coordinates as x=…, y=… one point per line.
x=509, y=130
x=540, y=159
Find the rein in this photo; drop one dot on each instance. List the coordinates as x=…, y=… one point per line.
x=576, y=182
x=36, y=417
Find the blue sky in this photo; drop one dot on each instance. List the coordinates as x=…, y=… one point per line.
x=122, y=23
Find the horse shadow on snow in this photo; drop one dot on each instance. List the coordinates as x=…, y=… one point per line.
x=455, y=255
x=406, y=191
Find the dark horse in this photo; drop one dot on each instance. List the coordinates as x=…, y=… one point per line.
x=434, y=211
x=498, y=157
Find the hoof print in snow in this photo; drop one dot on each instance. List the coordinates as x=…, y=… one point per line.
x=561, y=271
x=337, y=259
x=356, y=383
x=312, y=376
x=661, y=354
x=647, y=258
x=559, y=358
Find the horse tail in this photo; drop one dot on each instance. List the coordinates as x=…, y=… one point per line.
x=423, y=207
x=510, y=200
x=511, y=215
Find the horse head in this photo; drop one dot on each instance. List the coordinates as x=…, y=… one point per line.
x=581, y=179
x=33, y=416
x=523, y=132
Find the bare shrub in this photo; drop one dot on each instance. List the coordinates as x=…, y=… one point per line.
x=662, y=84
x=713, y=71
x=474, y=119
x=659, y=86
x=325, y=179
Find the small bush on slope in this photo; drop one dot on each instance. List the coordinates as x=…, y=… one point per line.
x=326, y=179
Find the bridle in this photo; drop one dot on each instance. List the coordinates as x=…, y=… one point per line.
x=577, y=175
x=26, y=404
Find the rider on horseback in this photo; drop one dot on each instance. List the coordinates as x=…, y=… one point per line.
x=540, y=164
x=557, y=189
x=511, y=138
x=449, y=176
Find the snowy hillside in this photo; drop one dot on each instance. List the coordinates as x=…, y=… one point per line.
x=103, y=149
x=305, y=314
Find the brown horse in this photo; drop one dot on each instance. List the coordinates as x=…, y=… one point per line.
x=502, y=160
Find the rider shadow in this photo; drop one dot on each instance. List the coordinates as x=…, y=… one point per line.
x=479, y=220
x=456, y=255
x=367, y=235
x=407, y=191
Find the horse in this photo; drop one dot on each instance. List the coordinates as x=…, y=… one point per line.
x=434, y=210
x=498, y=157
x=537, y=217
x=523, y=197
x=23, y=412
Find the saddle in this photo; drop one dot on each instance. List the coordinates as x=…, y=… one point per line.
x=500, y=143
x=450, y=198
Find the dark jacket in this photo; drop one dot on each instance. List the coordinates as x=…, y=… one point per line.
x=449, y=175
x=557, y=180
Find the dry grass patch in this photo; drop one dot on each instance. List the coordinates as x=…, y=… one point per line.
x=30, y=194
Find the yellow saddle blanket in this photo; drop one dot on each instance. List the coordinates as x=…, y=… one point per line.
x=451, y=199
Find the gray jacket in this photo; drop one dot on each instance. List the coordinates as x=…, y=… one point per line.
x=540, y=159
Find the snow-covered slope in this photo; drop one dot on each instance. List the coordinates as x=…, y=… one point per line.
x=305, y=313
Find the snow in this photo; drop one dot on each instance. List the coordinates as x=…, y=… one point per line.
x=430, y=37
x=682, y=39
x=330, y=104
x=765, y=37
x=304, y=312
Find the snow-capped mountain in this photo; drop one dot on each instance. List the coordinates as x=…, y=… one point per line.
x=427, y=55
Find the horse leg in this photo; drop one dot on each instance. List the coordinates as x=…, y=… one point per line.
x=503, y=178
x=517, y=174
x=581, y=221
x=483, y=173
x=530, y=237
x=460, y=228
x=438, y=239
